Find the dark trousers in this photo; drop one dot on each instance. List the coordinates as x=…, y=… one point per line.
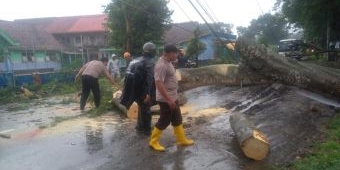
x=168, y=116
x=144, y=117
x=89, y=83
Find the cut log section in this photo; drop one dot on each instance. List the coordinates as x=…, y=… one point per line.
x=131, y=113
x=253, y=143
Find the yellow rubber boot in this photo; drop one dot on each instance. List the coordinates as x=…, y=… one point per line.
x=180, y=136
x=154, y=140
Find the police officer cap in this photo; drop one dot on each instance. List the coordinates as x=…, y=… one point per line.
x=168, y=48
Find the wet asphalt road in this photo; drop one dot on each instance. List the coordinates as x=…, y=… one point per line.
x=110, y=142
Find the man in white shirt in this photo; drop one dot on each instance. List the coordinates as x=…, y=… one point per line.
x=113, y=67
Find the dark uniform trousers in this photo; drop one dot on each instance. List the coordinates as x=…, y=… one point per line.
x=89, y=83
x=168, y=116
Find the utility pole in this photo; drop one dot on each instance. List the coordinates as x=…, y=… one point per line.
x=82, y=50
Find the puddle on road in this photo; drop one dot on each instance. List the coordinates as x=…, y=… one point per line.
x=110, y=142
x=319, y=98
x=204, y=97
x=87, y=142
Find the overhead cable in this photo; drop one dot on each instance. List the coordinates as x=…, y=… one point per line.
x=213, y=14
x=205, y=21
x=183, y=11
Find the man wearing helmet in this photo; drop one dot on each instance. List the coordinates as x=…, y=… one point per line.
x=139, y=86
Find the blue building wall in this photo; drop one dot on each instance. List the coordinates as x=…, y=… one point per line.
x=8, y=79
x=209, y=41
x=208, y=54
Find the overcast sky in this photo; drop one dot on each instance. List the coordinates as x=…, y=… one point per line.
x=237, y=12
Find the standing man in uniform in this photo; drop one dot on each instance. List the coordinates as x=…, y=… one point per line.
x=113, y=67
x=90, y=73
x=167, y=98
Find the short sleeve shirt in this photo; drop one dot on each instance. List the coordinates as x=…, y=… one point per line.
x=94, y=68
x=166, y=73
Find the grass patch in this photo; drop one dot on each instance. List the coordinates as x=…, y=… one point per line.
x=326, y=155
x=12, y=95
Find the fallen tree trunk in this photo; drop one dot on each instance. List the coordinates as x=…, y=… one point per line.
x=287, y=71
x=254, y=143
x=131, y=113
x=221, y=74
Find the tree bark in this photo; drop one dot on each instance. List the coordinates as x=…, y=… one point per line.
x=131, y=113
x=287, y=71
x=221, y=74
x=254, y=143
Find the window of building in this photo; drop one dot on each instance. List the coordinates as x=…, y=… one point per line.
x=92, y=39
x=78, y=39
x=51, y=56
x=27, y=56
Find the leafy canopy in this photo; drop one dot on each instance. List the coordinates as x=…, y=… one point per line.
x=195, y=47
x=131, y=23
x=267, y=29
x=318, y=18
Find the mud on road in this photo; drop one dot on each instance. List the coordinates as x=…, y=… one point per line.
x=291, y=118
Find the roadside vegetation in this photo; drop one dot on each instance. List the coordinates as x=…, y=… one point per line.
x=14, y=94
x=106, y=91
x=324, y=155
x=53, y=88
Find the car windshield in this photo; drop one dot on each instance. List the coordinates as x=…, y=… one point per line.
x=289, y=45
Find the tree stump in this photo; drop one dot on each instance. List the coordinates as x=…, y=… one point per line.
x=253, y=142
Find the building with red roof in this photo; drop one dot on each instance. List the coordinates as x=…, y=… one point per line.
x=45, y=44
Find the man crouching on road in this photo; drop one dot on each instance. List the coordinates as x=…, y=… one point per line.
x=90, y=73
x=166, y=96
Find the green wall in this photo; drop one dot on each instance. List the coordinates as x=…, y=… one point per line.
x=16, y=56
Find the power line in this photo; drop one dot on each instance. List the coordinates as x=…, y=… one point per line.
x=205, y=21
x=183, y=11
x=208, y=14
x=205, y=10
x=211, y=10
x=258, y=5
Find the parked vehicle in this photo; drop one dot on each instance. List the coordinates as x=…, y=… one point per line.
x=291, y=48
x=191, y=64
